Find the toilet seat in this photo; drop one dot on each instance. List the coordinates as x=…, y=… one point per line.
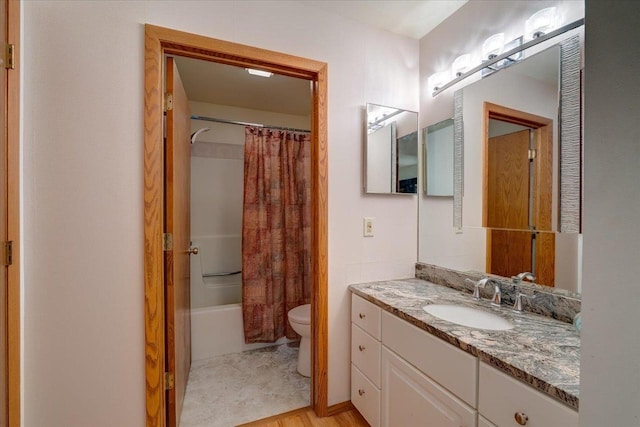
x=301, y=314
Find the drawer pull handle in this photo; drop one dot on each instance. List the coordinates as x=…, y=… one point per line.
x=521, y=418
x=362, y=316
x=361, y=347
x=361, y=392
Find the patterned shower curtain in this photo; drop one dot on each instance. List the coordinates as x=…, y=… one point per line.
x=276, y=231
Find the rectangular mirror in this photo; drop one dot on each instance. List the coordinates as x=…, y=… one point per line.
x=438, y=154
x=517, y=173
x=391, y=151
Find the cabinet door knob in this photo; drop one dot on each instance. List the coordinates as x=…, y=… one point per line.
x=521, y=418
x=361, y=392
x=362, y=316
x=361, y=347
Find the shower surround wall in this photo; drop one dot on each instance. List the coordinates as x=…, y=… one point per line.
x=217, y=172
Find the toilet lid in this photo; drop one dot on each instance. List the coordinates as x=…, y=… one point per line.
x=301, y=314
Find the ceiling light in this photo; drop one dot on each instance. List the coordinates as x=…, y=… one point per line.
x=260, y=73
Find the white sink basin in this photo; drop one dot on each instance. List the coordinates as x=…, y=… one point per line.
x=467, y=316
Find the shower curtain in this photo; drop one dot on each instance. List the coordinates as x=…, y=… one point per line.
x=276, y=231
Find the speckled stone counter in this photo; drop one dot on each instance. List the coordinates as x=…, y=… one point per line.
x=540, y=351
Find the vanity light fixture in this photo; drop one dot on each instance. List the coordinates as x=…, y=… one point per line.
x=496, y=55
x=540, y=23
x=492, y=47
x=461, y=65
x=437, y=80
x=260, y=73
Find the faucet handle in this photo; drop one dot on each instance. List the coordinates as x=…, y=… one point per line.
x=476, y=286
x=517, y=305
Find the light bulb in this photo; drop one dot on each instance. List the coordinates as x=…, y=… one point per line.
x=540, y=23
x=461, y=65
x=493, y=46
x=437, y=80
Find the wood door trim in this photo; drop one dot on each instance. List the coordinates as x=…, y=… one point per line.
x=158, y=41
x=13, y=204
x=510, y=115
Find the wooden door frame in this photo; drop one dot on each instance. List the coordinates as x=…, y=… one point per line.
x=158, y=42
x=12, y=133
x=545, y=150
x=510, y=115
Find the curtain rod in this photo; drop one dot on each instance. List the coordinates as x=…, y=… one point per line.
x=235, y=122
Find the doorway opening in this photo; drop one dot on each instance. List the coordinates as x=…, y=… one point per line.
x=250, y=135
x=160, y=375
x=518, y=193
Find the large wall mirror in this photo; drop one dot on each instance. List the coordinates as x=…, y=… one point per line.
x=391, y=150
x=517, y=169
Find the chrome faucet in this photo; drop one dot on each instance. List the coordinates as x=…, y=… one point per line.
x=526, y=275
x=497, y=293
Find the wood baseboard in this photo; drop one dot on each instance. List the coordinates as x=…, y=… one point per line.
x=340, y=407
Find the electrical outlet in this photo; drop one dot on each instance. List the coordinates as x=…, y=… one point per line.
x=368, y=227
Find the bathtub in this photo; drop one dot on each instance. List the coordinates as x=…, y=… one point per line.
x=218, y=330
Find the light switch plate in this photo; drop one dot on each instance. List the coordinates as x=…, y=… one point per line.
x=367, y=227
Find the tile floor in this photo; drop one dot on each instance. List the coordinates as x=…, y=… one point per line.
x=237, y=388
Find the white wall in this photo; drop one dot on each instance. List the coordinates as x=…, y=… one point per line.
x=83, y=186
x=610, y=355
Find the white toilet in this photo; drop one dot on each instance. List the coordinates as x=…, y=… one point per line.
x=300, y=321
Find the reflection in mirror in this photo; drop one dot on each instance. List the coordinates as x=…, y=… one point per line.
x=391, y=151
x=438, y=165
x=511, y=172
x=510, y=177
x=497, y=239
x=517, y=186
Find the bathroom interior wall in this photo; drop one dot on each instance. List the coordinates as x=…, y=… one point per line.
x=83, y=186
x=439, y=243
x=217, y=186
x=609, y=374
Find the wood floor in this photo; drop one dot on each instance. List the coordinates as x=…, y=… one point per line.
x=305, y=417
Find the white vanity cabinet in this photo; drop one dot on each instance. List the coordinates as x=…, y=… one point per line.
x=365, y=359
x=507, y=402
x=403, y=376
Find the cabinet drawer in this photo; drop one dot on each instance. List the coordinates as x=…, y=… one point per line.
x=366, y=315
x=365, y=354
x=410, y=398
x=501, y=397
x=365, y=397
x=451, y=367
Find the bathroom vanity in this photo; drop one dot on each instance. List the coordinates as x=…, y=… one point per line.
x=411, y=368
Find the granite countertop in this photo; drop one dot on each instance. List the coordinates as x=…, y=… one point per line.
x=540, y=351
